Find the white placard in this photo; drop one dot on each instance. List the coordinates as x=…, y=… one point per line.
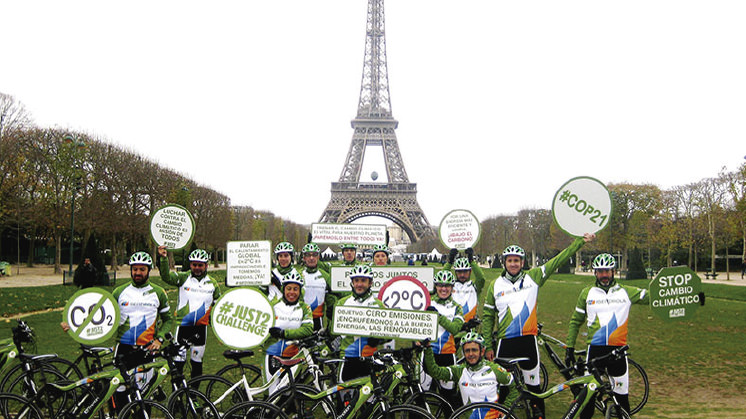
x=241, y=318
x=172, y=226
x=385, y=323
x=92, y=314
x=249, y=263
x=405, y=293
x=459, y=229
x=360, y=234
x=582, y=205
x=340, y=276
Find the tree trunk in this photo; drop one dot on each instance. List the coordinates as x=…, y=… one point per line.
x=58, y=253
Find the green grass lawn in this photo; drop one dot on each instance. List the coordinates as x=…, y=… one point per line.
x=695, y=366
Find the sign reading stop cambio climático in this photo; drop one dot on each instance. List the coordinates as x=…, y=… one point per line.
x=459, y=229
x=241, y=318
x=582, y=205
x=361, y=234
x=248, y=263
x=405, y=293
x=674, y=293
x=92, y=314
x=340, y=277
x=385, y=323
x=172, y=226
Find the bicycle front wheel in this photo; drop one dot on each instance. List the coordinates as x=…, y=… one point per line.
x=613, y=410
x=254, y=410
x=219, y=391
x=190, y=403
x=639, y=388
x=13, y=406
x=235, y=372
x=139, y=409
x=403, y=412
x=432, y=403
x=482, y=410
x=296, y=405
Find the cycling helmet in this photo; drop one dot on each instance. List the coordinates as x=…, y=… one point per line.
x=141, y=258
x=604, y=261
x=344, y=246
x=472, y=337
x=380, y=248
x=284, y=247
x=311, y=248
x=292, y=277
x=361, y=270
x=199, y=255
x=514, y=250
x=461, y=264
x=444, y=278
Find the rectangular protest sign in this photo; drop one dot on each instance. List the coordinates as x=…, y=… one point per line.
x=360, y=234
x=385, y=323
x=248, y=263
x=341, y=276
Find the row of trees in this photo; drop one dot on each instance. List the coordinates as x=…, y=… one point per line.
x=51, y=174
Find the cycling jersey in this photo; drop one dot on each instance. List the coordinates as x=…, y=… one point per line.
x=273, y=290
x=450, y=320
x=466, y=294
x=295, y=320
x=477, y=383
x=316, y=288
x=196, y=296
x=607, y=313
x=140, y=306
x=514, y=299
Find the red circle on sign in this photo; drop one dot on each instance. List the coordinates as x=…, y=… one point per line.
x=395, y=289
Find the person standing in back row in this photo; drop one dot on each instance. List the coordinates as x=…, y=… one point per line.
x=510, y=310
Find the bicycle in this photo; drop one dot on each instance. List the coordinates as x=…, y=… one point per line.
x=300, y=401
x=638, y=378
x=597, y=383
x=13, y=406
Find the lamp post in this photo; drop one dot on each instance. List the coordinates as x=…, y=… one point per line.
x=78, y=145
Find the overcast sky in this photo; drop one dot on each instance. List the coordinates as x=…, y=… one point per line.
x=499, y=103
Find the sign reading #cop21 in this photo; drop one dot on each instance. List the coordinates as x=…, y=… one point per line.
x=241, y=318
x=582, y=205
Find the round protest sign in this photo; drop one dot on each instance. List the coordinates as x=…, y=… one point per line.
x=582, y=205
x=92, y=314
x=405, y=293
x=674, y=293
x=172, y=226
x=459, y=229
x=241, y=318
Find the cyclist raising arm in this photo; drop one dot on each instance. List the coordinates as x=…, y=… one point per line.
x=605, y=306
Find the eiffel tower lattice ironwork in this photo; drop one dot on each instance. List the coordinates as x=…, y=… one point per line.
x=374, y=125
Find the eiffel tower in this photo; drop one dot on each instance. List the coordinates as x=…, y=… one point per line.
x=374, y=125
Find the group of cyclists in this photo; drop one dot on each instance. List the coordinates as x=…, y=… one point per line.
x=303, y=301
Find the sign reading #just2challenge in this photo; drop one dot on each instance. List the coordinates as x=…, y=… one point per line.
x=249, y=263
x=582, y=205
x=241, y=318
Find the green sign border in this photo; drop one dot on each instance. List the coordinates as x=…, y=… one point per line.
x=191, y=218
x=440, y=226
x=554, y=199
x=213, y=313
x=664, y=312
x=105, y=296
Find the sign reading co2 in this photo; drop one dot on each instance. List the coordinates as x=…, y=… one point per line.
x=459, y=229
x=582, y=205
x=172, y=226
x=241, y=318
x=92, y=314
x=405, y=293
